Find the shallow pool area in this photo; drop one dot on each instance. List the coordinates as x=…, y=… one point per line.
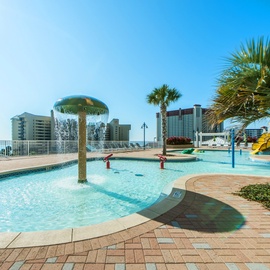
x=54, y=200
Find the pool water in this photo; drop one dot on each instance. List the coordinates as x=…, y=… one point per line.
x=54, y=200
x=221, y=162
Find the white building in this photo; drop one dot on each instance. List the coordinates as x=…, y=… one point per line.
x=28, y=126
x=116, y=131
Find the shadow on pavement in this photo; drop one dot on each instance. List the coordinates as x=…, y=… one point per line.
x=205, y=214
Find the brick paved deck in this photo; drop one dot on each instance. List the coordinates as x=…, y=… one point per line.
x=211, y=228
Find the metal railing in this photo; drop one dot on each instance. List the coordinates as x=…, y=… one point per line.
x=29, y=147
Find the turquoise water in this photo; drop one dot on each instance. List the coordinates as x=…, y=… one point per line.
x=221, y=162
x=54, y=200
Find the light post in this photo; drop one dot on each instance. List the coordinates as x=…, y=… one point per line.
x=144, y=126
x=232, y=143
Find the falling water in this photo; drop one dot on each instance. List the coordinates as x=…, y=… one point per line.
x=66, y=132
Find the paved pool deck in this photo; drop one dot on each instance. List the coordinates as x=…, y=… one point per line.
x=201, y=225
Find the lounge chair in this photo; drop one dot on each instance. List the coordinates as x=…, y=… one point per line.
x=132, y=146
x=138, y=146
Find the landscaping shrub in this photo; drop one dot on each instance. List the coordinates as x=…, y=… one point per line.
x=258, y=192
x=178, y=140
x=252, y=139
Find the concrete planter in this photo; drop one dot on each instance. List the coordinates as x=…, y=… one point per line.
x=180, y=146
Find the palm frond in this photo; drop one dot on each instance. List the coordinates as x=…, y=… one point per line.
x=243, y=88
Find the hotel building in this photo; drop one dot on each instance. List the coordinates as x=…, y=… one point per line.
x=28, y=126
x=185, y=122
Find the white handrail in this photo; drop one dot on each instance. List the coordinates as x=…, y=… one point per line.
x=31, y=147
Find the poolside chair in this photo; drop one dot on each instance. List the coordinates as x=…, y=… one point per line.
x=132, y=146
x=117, y=146
x=138, y=146
x=127, y=147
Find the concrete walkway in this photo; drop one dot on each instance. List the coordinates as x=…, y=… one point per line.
x=209, y=228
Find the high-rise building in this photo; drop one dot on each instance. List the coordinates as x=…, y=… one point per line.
x=185, y=122
x=28, y=126
x=117, y=132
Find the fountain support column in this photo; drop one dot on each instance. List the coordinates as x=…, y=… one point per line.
x=82, y=147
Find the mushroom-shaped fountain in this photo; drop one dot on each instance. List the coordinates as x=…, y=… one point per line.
x=82, y=106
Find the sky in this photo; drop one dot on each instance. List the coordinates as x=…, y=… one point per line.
x=118, y=51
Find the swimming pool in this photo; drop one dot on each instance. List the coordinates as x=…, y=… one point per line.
x=54, y=200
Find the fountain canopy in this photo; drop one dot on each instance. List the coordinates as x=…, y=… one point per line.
x=80, y=103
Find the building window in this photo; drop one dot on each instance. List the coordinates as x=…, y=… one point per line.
x=198, y=112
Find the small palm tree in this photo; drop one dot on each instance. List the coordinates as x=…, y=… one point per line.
x=162, y=97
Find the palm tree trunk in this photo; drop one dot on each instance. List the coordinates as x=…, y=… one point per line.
x=163, y=110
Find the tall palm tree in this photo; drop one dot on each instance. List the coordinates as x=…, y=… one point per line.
x=243, y=88
x=162, y=97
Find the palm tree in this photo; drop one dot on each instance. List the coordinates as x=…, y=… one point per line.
x=243, y=88
x=162, y=97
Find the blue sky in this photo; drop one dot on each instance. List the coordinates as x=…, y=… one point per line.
x=118, y=51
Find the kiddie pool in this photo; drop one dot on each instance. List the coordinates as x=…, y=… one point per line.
x=53, y=200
